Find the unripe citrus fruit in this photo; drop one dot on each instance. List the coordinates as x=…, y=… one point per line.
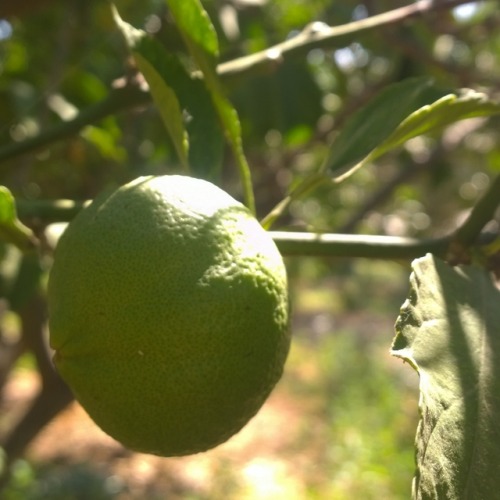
x=168, y=314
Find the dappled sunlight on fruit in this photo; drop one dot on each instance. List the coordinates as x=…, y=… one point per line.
x=168, y=314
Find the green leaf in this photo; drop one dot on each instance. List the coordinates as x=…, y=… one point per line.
x=11, y=228
x=232, y=127
x=374, y=123
x=193, y=20
x=206, y=138
x=199, y=118
x=451, y=108
x=449, y=330
x=166, y=101
x=201, y=40
x=184, y=103
x=151, y=61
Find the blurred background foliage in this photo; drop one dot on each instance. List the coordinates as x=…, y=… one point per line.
x=60, y=58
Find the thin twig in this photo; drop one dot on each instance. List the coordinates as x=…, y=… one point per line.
x=319, y=35
x=117, y=100
x=482, y=212
x=48, y=211
x=384, y=192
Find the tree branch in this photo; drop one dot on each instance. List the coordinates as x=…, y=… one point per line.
x=316, y=35
x=319, y=35
x=356, y=246
x=289, y=243
x=480, y=215
x=363, y=246
x=48, y=211
x=53, y=396
x=332, y=244
x=117, y=100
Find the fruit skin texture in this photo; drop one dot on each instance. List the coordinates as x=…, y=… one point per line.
x=168, y=314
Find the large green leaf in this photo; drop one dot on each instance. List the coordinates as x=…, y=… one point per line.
x=200, y=38
x=148, y=57
x=192, y=19
x=400, y=112
x=206, y=138
x=11, y=228
x=184, y=103
x=449, y=330
x=451, y=108
x=201, y=132
x=374, y=123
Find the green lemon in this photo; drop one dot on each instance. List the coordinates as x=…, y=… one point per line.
x=168, y=314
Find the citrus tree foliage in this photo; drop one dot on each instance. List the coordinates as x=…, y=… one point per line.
x=374, y=129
